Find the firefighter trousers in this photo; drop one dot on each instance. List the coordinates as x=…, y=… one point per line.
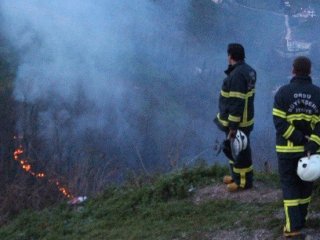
x=241, y=169
x=296, y=194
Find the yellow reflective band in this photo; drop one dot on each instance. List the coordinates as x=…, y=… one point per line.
x=287, y=204
x=242, y=179
x=315, y=119
x=305, y=200
x=243, y=170
x=293, y=203
x=301, y=116
x=289, y=131
x=278, y=113
x=234, y=118
x=315, y=138
x=242, y=95
x=237, y=94
x=223, y=123
x=224, y=94
x=289, y=149
x=231, y=162
x=246, y=124
x=242, y=124
x=286, y=211
x=245, y=111
x=290, y=203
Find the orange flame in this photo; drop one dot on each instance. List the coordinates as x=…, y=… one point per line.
x=26, y=166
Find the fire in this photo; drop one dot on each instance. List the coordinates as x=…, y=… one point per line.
x=40, y=175
x=26, y=166
x=23, y=162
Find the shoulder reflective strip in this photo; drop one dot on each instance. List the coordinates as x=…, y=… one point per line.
x=237, y=94
x=278, y=113
x=305, y=200
x=290, y=203
x=231, y=162
x=289, y=131
x=289, y=149
x=243, y=170
x=315, y=138
x=234, y=118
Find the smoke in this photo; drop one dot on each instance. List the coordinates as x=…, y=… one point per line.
x=131, y=83
x=97, y=72
x=66, y=44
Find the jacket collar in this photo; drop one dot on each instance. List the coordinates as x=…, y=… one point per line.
x=301, y=79
x=232, y=67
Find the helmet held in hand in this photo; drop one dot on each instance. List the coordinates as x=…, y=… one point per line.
x=238, y=144
x=309, y=168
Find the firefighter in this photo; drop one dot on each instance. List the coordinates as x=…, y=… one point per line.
x=297, y=122
x=236, y=111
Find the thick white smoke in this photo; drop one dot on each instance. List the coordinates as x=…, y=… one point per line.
x=97, y=67
x=64, y=44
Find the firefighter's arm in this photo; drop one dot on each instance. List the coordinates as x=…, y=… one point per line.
x=236, y=101
x=283, y=127
x=314, y=140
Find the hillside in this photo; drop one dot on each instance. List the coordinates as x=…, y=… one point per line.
x=189, y=204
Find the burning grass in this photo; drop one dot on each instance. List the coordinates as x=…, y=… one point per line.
x=19, y=156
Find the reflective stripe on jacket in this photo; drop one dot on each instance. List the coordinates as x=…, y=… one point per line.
x=236, y=101
x=296, y=114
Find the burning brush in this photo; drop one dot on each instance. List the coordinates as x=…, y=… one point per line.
x=27, y=167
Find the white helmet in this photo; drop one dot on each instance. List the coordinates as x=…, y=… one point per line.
x=238, y=143
x=309, y=169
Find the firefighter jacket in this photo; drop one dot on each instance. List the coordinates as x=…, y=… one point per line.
x=236, y=101
x=296, y=114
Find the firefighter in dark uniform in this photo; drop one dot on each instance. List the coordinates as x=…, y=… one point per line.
x=236, y=111
x=296, y=118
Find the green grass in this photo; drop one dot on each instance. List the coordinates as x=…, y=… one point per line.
x=159, y=210
x=118, y=219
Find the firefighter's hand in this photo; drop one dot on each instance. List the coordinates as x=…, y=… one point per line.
x=311, y=147
x=232, y=133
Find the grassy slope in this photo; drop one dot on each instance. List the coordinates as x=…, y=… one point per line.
x=161, y=210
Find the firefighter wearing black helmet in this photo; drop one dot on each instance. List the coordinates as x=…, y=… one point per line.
x=236, y=111
x=296, y=116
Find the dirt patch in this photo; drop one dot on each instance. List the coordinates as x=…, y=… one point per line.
x=239, y=234
x=259, y=234
x=260, y=193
